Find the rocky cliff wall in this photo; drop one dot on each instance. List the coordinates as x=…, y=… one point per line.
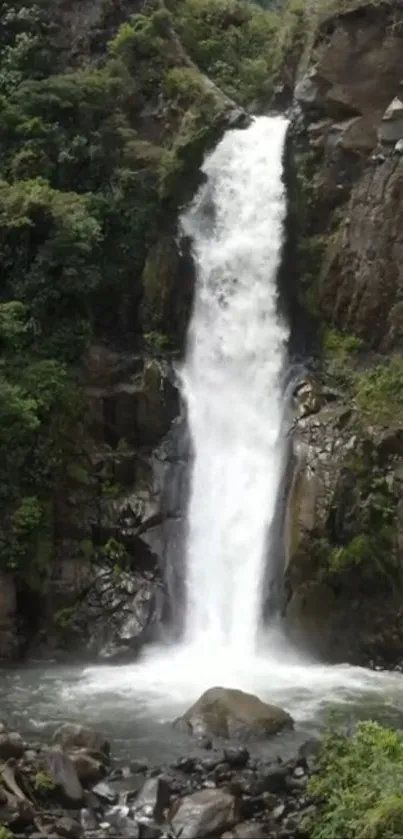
x=344, y=577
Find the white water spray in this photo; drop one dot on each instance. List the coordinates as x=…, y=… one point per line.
x=231, y=383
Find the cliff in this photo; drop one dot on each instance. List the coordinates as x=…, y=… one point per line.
x=344, y=579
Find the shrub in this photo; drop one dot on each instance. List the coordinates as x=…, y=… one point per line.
x=379, y=392
x=359, y=785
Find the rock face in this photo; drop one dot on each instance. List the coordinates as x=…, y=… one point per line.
x=228, y=713
x=343, y=589
x=351, y=104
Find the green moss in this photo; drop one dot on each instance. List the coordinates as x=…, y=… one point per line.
x=359, y=785
x=43, y=782
x=63, y=617
x=379, y=392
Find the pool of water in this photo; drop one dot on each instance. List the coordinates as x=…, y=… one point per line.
x=136, y=704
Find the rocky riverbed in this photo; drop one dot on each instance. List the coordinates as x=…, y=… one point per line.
x=73, y=787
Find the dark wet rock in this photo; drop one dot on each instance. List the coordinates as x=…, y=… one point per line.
x=68, y=828
x=230, y=713
x=236, y=756
x=148, y=830
x=11, y=745
x=308, y=752
x=153, y=798
x=203, y=813
x=274, y=778
x=185, y=764
x=74, y=736
x=105, y=793
x=64, y=775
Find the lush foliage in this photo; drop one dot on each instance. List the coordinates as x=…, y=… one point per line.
x=359, y=786
x=379, y=391
x=238, y=44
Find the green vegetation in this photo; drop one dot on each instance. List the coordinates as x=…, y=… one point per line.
x=379, y=392
x=43, y=782
x=95, y=160
x=359, y=786
x=5, y=833
x=239, y=45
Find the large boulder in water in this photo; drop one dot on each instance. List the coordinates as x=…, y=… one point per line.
x=225, y=712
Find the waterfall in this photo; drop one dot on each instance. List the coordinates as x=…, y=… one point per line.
x=231, y=384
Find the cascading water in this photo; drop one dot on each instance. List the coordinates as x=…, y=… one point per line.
x=231, y=383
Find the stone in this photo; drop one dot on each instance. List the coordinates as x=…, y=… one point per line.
x=246, y=830
x=307, y=92
x=399, y=147
x=123, y=825
x=153, y=798
x=203, y=813
x=274, y=778
x=391, y=128
x=89, y=770
x=236, y=756
x=230, y=713
x=88, y=820
x=63, y=774
x=11, y=745
x=74, y=736
x=105, y=793
x=69, y=828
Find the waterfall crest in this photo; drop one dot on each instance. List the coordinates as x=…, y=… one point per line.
x=231, y=383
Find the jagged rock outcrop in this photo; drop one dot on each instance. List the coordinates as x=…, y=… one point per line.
x=344, y=537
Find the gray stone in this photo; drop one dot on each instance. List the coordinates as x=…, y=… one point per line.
x=307, y=92
x=88, y=820
x=64, y=775
x=105, y=793
x=204, y=813
x=68, y=828
x=73, y=736
x=225, y=712
x=153, y=798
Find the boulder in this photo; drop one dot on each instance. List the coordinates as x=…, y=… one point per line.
x=226, y=712
x=64, y=776
x=11, y=745
x=153, y=798
x=73, y=736
x=68, y=828
x=203, y=814
x=89, y=770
